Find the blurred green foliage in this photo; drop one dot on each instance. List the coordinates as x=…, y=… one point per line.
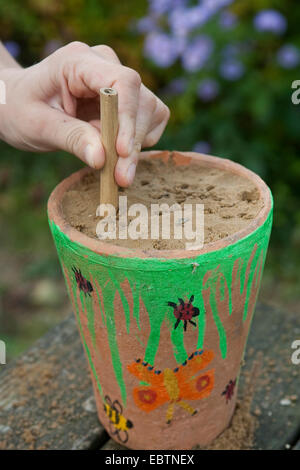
x=33, y=24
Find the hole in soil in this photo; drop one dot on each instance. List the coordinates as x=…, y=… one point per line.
x=109, y=91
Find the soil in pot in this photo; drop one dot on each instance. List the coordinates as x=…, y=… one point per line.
x=230, y=201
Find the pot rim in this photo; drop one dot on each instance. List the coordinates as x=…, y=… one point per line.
x=56, y=215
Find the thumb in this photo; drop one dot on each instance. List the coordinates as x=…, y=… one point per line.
x=63, y=132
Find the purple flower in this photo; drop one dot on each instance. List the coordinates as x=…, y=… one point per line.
x=213, y=6
x=184, y=20
x=270, y=20
x=163, y=6
x=232, y=69
x=13, y=48
x=180, y=22
x=208, y=89
x=147, y=24
x=161, y=48
x=288, y=56
x=197, y=53
x=181, y=43
x=227, y=20
x=160, y=6
x=199, y=15
x=202, y=147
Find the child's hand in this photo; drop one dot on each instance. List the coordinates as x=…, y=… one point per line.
x=55, y=105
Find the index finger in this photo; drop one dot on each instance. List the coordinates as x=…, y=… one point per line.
x=84, y=71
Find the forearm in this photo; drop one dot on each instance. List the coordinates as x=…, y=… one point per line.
x=6, y=60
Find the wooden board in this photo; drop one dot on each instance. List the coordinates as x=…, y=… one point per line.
x=46, y=399
x=270, y=340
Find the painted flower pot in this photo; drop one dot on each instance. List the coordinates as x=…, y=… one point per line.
x=164, y=332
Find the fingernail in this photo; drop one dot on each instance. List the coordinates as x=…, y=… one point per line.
x=89, y=155
x=131, y=173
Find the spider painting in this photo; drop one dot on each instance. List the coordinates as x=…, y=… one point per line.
x=82, y=283
x=184, y=311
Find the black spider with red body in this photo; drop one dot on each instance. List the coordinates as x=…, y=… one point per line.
x=229, y=390
x=82, y=283
x=184, y=311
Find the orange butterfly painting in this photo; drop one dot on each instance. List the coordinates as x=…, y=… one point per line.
x=173, y=386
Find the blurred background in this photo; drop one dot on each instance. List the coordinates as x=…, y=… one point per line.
x=224, y=67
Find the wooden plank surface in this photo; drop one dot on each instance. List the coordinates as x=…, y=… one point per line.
x=46, y=399
x=277, y=392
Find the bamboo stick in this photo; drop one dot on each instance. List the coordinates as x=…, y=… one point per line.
x=109, y=130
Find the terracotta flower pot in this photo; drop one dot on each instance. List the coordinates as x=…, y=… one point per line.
x=157, y=386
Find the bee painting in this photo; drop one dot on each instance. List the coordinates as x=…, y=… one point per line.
x=118, y=424
x=173, y=386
